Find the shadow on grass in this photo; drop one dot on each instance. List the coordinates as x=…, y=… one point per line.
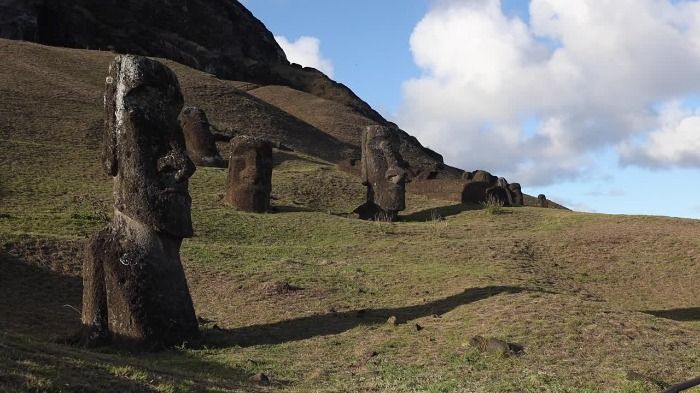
x=680, y=314
x=290, y=209
x=40, y=309
x=437, y=212
x=335, y=323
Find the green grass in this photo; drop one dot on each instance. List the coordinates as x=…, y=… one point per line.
x=591, y=297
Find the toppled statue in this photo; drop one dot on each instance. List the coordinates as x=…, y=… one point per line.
x=200, y=142
x=135, y=292
x=481, y=187
x=249, y=181
x=542, y=200
x=384, y=173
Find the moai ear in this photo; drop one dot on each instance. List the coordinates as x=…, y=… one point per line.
x=109, y=142
x=109, y=152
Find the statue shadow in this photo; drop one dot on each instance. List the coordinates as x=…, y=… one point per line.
x=680, y=314
x=290, y=209
x=438, y=212
x=40, y=311
x=339, y=322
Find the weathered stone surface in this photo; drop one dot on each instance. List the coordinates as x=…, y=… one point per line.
x=480, y=186
x=482, y=176
x=249, y=181
x=542, y=200
x=495, y=346
x=516, y=193
x=135, y=293
x=201, y=143
x=503, y=184
x=476, y=185
x=383, y=173
x=498, y=195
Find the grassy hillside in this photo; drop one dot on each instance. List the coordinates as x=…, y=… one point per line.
x=600, y=303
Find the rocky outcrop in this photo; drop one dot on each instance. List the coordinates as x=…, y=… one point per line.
x=480, y=186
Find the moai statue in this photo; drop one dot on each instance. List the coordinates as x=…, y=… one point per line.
x=200, y=142
x=384, y=173
x=249, y=181
x=516, y=193
x=542, y=200
x=503, y=184
x=135, y=293
x=478, y=187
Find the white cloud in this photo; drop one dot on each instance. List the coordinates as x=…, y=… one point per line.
x=306, y=51
x=675, y=143
x=590, y=71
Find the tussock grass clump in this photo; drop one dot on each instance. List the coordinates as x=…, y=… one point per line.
x=493, y=206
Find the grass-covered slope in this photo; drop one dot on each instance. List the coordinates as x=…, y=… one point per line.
x=600, y=303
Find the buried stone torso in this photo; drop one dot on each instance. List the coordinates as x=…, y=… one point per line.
x=134, y=289
x=383, y=169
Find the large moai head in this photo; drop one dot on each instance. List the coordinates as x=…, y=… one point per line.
x=144, y=146
x=249, y=181
x=383, y=168
x=542, y=200
x=201, y=145
x=517, y=193
x=476, y=186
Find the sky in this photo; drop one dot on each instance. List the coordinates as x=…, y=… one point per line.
x=595, y=103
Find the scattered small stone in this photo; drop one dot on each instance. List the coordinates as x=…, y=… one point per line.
x=261, y=379
x=495, y=346
x=419, y=327
x=5, y=215
x=392, y=321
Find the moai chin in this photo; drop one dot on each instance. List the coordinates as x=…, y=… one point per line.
x=135, y=292
x=249, y=180
x=384, y=173
x=201, y=145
